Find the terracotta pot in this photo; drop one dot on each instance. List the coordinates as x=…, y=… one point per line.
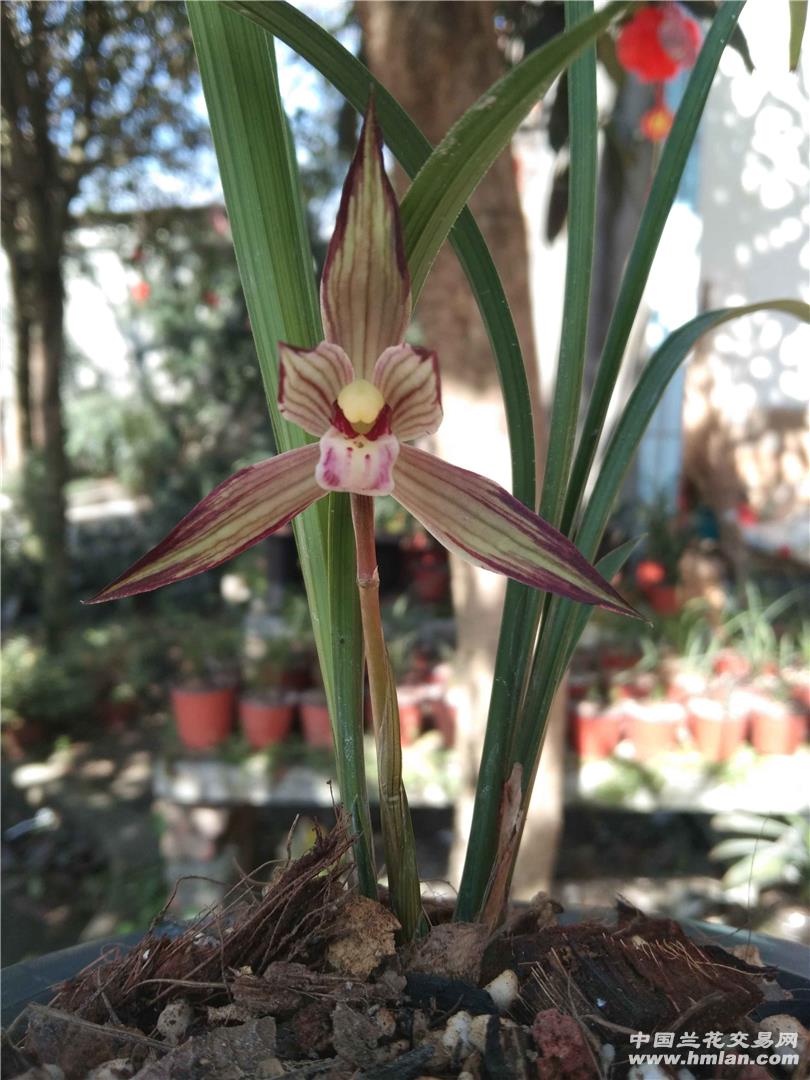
x=777, y=730
x=315, y=723
x=653, y=728
x=428, y=572
x=684, y=685
x=616, y=659
x=20, y=737
x=594, y=730
x=717, y=734
x=580, y=684
x=444, y=717
x=729, y=662
x=664, y=599
x=409, y=700
x=265, y=720
x=204, y=717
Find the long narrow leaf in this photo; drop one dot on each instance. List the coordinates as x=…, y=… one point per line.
x=798, y=22
x=257, y=165
x=560, y=635
x=662, y=195
x=517, y=634
x=455, y=168
x=642, y=403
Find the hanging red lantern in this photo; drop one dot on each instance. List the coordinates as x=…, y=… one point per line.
x=658, y=42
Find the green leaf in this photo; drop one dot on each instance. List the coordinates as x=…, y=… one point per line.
x=259, y=177
x=465, y=154
x=564, y=624
x=583, y=128
x=662, y=195
x=642, y=404
x=522, y=606
x=798, y=21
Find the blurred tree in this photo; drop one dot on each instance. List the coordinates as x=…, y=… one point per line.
x=97, y=101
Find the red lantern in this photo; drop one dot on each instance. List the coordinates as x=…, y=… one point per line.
x=658, y=42
x=655, y=45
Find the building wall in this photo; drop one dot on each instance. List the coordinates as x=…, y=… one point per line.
x=747, y=390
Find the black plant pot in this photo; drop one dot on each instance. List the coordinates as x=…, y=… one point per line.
x=33, y=980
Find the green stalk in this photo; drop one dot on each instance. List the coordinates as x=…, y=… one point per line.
x=395, y=818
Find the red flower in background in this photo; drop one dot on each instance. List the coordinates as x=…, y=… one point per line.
x=656, y=122
x=746, y=514
x=649, y=572
x=140, y=292
x=658, y=42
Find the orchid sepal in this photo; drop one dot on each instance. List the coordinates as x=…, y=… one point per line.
x=366, y=286
x=484, y=524
x=239, y=512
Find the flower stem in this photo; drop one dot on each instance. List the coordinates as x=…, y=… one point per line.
x=397, y=827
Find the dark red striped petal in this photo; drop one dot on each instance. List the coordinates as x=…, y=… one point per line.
x=366, y=287
x=483, y=523
x=238, y=513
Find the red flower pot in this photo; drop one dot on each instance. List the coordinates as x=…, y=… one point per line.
x=444, y=717
x=654, y=727
x=594, y=730
x=729, y=662
x=315, y=721
x=265, y=720
x=409, y=700
x=717, y=734
x=777, y=730
x=664, y=599
x=204, y=718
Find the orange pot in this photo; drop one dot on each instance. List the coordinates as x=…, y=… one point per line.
x=409, y=701
x=664, y=599
x=264, y=722
x=204, y=718
x=654, y=728
x=315, y=722
x=717, y=734
x=594, y=730
x=777, y=731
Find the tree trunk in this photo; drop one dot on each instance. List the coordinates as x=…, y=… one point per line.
x=48, y=351
x=437, y=58
x=38, y=292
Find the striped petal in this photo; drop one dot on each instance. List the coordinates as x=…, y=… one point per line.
x=366, y=287
x=238, y=513
x=309, y=383
x=408, y=379
x=486, y=525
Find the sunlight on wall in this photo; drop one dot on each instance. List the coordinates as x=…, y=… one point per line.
x=748, y=390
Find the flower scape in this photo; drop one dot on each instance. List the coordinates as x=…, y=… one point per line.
x=365, y=394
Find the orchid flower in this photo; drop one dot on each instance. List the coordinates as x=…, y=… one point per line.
x=365, y=394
